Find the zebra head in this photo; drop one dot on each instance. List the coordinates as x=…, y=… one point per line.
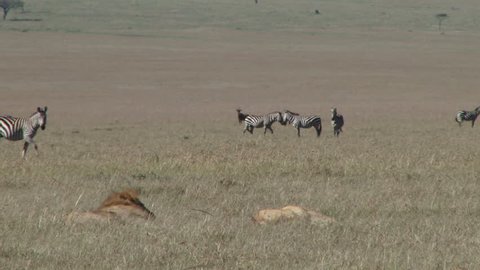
x=278, y=117
x=39, y=118
x=334, y=111
x=241, y=116
x=287, y=117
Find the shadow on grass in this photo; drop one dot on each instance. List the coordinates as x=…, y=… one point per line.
x=25, y=20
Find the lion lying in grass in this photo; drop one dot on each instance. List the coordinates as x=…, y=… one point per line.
x=119, y=206
x=290, y=212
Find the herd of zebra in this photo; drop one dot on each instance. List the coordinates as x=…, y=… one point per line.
x=298, y=121
x=287, y=117
x=18, y=128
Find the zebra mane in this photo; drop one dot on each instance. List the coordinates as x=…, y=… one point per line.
x=293, y=113
x=33, y=114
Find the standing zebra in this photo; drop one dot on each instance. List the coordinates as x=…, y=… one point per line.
x=15, y=128
x=241, y=116
x=299, y=121
x=337, y=122
x=467, y=116
x=265, y=121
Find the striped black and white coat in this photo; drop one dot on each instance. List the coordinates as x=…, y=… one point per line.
x=467, y=116
x=259, y=121
x=337, y=122
x=298, y=121
x=17, y=128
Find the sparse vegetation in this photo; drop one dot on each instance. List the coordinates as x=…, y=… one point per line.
x=151, y=17
x=440, y=18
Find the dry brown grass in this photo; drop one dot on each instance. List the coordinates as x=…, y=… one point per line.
x=157, y=114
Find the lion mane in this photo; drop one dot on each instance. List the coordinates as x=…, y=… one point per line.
x=119, y=206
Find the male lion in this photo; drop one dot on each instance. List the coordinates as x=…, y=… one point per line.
x=120, y=206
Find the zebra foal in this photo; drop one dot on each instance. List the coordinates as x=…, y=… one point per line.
x=259, y=121
x=337, y=122
x=467, y=116
x=298, y=121
x=17, y=128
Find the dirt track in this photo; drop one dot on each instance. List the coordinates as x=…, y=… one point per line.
x=85, y=78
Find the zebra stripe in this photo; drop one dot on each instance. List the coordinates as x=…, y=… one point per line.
x=259, y=121
x=299, y=121
x=17, y=128
x=337, y=122
x=467, y=116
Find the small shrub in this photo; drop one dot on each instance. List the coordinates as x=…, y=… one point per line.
x=7, y=5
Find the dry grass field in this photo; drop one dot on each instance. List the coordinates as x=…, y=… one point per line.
x=143, y=95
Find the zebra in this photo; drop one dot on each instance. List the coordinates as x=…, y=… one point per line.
x=467, y=116
x=337, y=122
x=299, y=121
x=16, y=128
x=265, y=121
x=241, y=116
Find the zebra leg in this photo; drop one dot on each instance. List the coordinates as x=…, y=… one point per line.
x=298, y=131
x=25, y=147
x=36, y=148
x=247, y=128
x=473, y=122
x=319, y=130
x=269, y=128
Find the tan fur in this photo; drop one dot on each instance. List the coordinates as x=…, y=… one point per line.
x=290, y=212
x=119, y=206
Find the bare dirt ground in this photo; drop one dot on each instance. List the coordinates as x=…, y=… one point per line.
x=100, y=79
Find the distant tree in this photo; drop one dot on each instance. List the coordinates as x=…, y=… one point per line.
x=7, y=5
x=440, y=17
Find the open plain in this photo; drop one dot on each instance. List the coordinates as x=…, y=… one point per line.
x=142, y=94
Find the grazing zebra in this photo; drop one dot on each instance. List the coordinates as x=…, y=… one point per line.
x=337, y=122
x=15, y=128
x=467, y=116
x=299, y=121
x=265, y=121
x=241, y=116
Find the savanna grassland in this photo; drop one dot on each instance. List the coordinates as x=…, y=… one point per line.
x=143, y=94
